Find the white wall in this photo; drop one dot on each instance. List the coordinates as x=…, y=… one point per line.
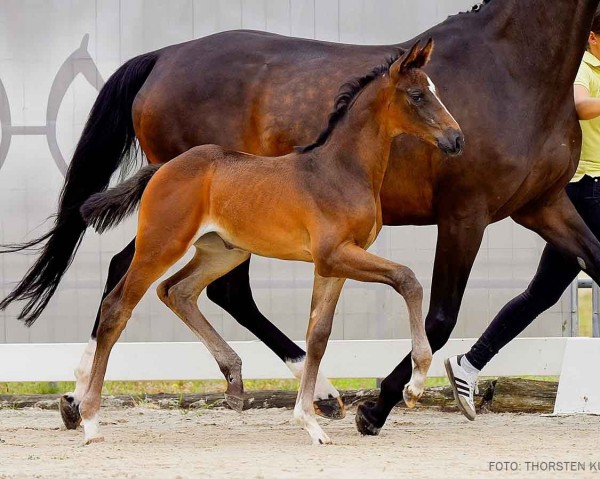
x=37, y=36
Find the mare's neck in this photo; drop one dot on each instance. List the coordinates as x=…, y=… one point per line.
x=552, y=35
x=360, y=143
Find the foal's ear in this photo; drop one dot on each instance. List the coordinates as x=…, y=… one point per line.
x=398, y=66
x=414, y=58
x=424, y=55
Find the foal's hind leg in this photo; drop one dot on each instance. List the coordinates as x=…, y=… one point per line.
x=116, y=311
x=232, y=293
x=351, y=261
x=180, y=293
x=326, y=292
x=69, y=402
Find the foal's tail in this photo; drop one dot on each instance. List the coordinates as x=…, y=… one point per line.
x=107, y=209
x=107, y=143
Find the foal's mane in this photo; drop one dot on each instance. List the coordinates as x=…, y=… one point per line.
x=349, y=91
x=343, y=101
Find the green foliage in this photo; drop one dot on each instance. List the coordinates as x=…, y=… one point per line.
x=187, y=387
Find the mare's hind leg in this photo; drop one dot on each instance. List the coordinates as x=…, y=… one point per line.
x=180, y=293
x=326, y=292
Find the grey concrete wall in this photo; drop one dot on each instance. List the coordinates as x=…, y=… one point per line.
x=37, y=36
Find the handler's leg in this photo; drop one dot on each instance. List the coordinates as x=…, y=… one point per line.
x=69, y=402
x=554, y=274
x=457, y=245
x=232, y=293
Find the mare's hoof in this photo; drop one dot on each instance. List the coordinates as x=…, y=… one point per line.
x=332, y=408
x=93, y=439
x=236, y=403
x=69, y=411
x=365, y=423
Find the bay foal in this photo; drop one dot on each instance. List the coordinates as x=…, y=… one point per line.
x=320, y=204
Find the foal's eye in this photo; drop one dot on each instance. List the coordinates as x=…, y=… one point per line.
x=417, y=97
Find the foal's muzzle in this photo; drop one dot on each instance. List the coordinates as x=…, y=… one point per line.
x=452, y=143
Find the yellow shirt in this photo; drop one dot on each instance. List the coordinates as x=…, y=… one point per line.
x=589, y=77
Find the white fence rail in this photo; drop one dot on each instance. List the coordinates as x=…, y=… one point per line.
x=174, y=361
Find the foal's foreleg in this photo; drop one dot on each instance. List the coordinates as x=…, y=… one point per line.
x=180, y=293
x=351, y=261
x=458, y=241
x=326, y=292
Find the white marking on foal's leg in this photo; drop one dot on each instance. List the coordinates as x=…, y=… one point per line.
x=308, y=421
x=69, y=402
x=304, y=413
x=82, y=372
x=416, y=386
x=91, y=430
x=323, y=388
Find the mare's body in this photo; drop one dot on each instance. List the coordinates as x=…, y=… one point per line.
x=506, y=72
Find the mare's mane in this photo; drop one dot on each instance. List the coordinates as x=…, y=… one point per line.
x=477, y=7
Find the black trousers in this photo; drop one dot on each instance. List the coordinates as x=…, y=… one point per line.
x=554, y=274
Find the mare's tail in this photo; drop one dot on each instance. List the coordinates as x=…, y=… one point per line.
x=107, y=209
x=107, y=143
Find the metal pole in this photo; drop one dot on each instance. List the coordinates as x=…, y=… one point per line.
x=595, y=311
x=574, y=326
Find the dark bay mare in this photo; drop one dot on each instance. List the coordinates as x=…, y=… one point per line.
x=505, y=71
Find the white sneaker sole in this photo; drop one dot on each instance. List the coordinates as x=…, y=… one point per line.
x=462, y=404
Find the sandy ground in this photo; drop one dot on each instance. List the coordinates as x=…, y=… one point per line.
x=148, y=443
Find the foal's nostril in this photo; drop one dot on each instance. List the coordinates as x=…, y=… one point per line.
x=460, y=144
x=456, y=144
x=451, y=143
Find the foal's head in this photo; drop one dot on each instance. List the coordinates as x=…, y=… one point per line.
x=414, y=106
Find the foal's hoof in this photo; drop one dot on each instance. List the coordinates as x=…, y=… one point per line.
x=323, y=440
x=93, y=439
x=365, y=423
x=332, y=408
x=411, y=396
x=69, y=411
x=236, y=403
